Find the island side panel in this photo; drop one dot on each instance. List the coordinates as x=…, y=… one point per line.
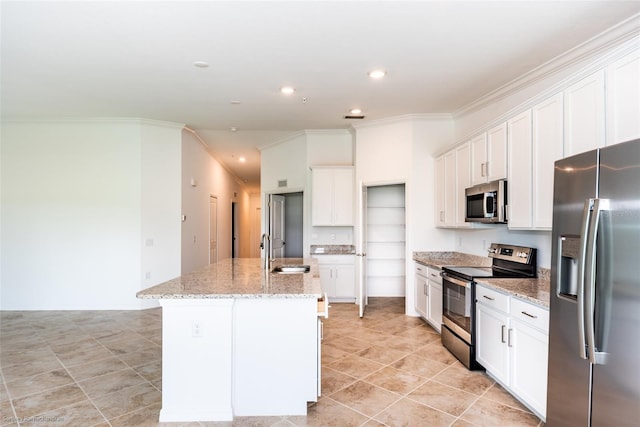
x=275, y=356
x=196, y=360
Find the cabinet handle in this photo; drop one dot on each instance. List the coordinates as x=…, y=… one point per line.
x=441, y=216
x=502, y=334
x=489, y=298
x=529, y=315
x=509, y=343
x=482, y=169
x=486, y=168
x=426, y=290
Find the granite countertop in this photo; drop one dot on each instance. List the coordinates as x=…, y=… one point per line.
x=240, y=278
x=332, y=249
x=446, y=259
x=533, y=290
x=536, y=291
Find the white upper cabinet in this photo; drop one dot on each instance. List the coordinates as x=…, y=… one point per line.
x=623, y=99
x=520, y=164
x=489, y=155
x=584, y=115
x=463, y=180
x=547, y=148
x=452, y=177
x=332, y=196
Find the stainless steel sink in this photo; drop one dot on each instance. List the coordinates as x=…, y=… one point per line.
x=291, y=269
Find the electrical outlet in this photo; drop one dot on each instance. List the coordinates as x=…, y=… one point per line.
x=196, y=329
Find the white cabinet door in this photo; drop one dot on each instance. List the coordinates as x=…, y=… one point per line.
x=463, y=180
x=529, y=360
x=584, y=115
x=491, y=343
x=332, y=197
x=478, y=159
x=345, y=284
x=623, y=99
x=439, y=181
x=519, y=166
x=496, y=163
x=421, y=290
x=547, y=148
x=327, y=283
x=435, y=305
x=343, y=197
x=337, y=277
x=450, y=188
x=322, y=197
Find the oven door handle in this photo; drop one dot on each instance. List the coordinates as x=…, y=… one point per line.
x=455, y=281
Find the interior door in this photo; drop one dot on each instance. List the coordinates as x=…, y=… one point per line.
x=361, y=254
x=276, y=225
x=213, y=230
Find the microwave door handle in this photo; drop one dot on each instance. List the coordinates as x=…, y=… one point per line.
x=484, y=204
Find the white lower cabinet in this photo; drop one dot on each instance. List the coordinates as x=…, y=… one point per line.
x=428, y=294
x=512, y=343
x=337, y=277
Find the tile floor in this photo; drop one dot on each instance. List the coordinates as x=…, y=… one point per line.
x=103, y=368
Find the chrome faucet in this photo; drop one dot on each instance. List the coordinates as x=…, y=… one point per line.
x=265, y=243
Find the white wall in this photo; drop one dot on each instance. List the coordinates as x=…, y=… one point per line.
x=211, y=179
x=72, y=213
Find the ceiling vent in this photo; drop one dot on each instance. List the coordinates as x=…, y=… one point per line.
x=354, y=117
x=282, y=183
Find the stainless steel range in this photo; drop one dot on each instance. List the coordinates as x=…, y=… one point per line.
x=458, y=295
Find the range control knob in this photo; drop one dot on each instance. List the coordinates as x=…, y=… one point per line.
x=522, y=254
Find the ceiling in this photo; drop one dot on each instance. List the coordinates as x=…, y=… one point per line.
x=136, y=59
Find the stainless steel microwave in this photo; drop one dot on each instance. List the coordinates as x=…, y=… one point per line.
x=487, y=202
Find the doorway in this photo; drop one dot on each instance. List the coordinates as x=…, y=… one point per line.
x=286, y=224
x=234, y=230
x=382, y=242
x=213, y=230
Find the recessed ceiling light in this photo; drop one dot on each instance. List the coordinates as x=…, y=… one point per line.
x=356, y=111
x=233, y=102
x=200, y=64
x=234, y=129
x=377, y=74
x=287, y=90
x=242, y=159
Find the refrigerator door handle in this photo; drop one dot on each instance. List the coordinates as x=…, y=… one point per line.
x=599, y=205
x=584, y=236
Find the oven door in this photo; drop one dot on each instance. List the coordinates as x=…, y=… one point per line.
x=456, y=306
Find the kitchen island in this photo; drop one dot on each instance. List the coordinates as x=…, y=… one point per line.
x=239, y=340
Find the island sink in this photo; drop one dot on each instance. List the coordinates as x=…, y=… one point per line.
x=289, y=269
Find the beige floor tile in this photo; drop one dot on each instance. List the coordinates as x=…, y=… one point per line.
x=487, y=413
x=79, y=414
x=127, y=400
x=418, y=366
x=356, y=366
x=142, y=357
x=110, y=383
x=443, y=398
x=400, y=343
x=475, y=382
x=382, y=354
x=365, y=398
x=327, y=412
x=394, y=380
x=143, y=417
x=349, y=345
x=150, y=371
x=333, y=381
x=332, y=354
x=49, y=400
x=96, y=368
x=31, y=368
x=38, y=383
x=435, y=351
x=409, y=413
x=500, y=395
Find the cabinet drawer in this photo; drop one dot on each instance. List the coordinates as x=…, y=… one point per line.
x=421, y=269
x=492, y=298
x=434, y=275
x=334, y=259
x=531, y=314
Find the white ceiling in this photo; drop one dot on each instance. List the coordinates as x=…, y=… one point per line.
x=135, y=59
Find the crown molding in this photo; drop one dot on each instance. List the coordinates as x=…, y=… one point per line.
x=608, y=39
x=128, y=120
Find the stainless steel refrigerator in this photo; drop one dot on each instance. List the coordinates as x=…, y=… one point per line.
x=594, y=326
